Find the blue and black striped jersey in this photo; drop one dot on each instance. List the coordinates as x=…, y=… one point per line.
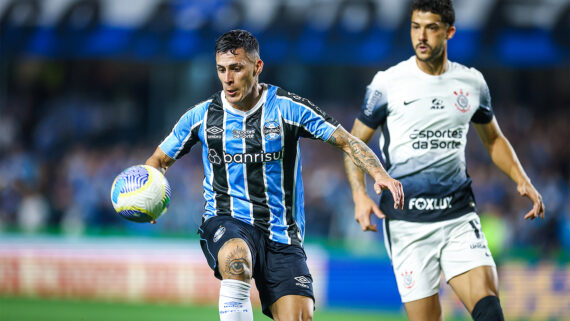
x=252, y=163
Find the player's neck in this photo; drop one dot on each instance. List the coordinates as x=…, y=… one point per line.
x=435, y=66
x=251, y=101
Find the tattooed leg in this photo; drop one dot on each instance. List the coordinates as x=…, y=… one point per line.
x=234, y=261
x=234, y=264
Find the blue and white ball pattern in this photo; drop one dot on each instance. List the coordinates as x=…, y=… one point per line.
x=140, y=193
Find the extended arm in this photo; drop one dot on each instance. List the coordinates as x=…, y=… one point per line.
x=354, y=173
x=504, y=156
x=358, y=158
x=160, y=161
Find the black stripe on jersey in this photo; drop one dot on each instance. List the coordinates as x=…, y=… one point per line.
x=302, y=132
x=386, y=147
x=256, y=187
x=191, y=141
x=215, y=142
x=289, y=158
x=387, y=228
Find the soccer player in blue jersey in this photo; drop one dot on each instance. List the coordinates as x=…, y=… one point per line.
x=423, y=107
x=254, y=219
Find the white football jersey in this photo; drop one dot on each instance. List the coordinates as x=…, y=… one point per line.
x=424, y=121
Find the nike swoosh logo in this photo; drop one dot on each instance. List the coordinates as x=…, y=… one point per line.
x=406, y=103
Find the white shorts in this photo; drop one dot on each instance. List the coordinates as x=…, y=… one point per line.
x=420, y=251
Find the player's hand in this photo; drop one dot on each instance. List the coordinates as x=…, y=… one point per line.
x=152, y=222
x=395, y=188
x=526, y=189
x=364, y=206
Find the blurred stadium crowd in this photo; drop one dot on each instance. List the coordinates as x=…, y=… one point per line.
x=68, y=128
x=90, y=87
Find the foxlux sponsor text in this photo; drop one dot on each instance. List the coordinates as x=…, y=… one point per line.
x=423, y=203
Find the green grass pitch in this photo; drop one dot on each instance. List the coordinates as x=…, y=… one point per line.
x=33, y=309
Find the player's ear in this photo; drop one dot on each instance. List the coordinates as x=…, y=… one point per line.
x=450, y=32
x=258, y=67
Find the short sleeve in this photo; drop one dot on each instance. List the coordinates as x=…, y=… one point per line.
x=312, y=121
x=374, y=109
x=483, y=114
x=184, y=134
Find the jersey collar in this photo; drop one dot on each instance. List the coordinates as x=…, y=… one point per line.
x=230, y=109
x=423, y=75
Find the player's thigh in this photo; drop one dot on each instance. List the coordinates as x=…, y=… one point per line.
x=229, y=247
x=284, y=273
x=414, y=250
x=465, y=246
x=426, y=309
x=467, y=262
x=475, y=284
x=292, y=307
x=234, y=260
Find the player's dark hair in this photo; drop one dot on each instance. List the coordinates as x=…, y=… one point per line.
x=235, y=39
x=444, y=8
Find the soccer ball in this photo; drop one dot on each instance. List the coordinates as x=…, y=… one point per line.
x=140, y=193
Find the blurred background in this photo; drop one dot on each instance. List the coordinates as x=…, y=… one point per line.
x=90, y=87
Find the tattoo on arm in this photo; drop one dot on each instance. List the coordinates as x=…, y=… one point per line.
x=359, y=154
x=364, y=157
x=355, y=175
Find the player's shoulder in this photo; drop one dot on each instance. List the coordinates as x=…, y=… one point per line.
x=385, y=77
x=196, y=112
x=292, y=97
x=202, y=106
x=466, y=71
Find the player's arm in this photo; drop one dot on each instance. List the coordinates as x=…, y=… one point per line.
x=365, y=159
x=354, y=173
x=160, y=160
x=504, y=156
x=364, y=206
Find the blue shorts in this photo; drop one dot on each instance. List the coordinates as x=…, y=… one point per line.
x=278, y=269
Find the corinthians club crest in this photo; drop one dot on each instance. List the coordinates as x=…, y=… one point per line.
x=462, y=102
x=408, y=280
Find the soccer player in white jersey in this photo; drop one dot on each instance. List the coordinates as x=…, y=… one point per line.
x=254, y=222
x=423, y=107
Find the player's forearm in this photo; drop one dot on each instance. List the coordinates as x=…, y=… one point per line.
x=159, y=160
x=360, y=154
x=154, y=162
x=505, y=158
x=355, y=177
x=365, y=159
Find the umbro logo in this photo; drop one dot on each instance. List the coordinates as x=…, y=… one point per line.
x=302, y=282
x=214, y=130
x=406, y=103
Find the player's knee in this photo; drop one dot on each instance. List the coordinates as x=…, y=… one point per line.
x=488, y=309
x=303, y=315
x=293, y=308
x=234, y=260
x=307, y=315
